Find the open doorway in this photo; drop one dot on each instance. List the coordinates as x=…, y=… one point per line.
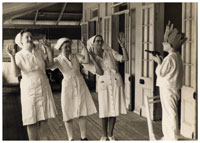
x=173, y=12
x=121, y=29
x=121, y=22
x=126, y=69
x=92, y=29
x=92, y=77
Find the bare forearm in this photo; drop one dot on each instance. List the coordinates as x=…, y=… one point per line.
x=125, y=54
x=99, y=71
x=86, y=57
x=15, y=69
x=121, y=41
x=49, y=57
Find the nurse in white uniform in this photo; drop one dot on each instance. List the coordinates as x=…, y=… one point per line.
x=111, y=95
x=169, y=78
x=76, y=100
x=36, y=95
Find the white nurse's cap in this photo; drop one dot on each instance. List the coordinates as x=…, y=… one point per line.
x=60, y=42
x=18, y=40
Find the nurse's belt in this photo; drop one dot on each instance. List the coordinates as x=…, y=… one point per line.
x=149, y=122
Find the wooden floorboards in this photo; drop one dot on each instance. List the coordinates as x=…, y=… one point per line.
x=12, y=118
x=128, y=127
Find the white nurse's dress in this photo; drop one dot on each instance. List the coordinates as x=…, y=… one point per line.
x=36, y=95
x=76, y=100
x=110, y=85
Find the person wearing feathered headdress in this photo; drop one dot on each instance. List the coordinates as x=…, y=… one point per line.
x=170, y=78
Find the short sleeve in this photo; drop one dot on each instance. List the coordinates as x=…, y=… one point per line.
x=18, y=60
x=117, y=56
x=89, y=67
x=55, y=64
x=80, y=57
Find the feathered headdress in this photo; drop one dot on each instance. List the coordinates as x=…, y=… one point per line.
x=173, y=37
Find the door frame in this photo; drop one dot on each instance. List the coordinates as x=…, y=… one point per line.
x=186, y=129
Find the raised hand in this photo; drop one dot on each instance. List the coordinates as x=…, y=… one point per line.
x=11, y=51
x=82, y=43
x=46, y=44
x=121, y=39
x=92, y=54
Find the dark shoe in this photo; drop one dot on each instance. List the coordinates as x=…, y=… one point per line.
x=85, y=139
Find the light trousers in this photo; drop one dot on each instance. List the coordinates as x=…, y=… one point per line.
x=169, y=101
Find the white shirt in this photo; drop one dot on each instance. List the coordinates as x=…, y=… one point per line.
x=170, y=72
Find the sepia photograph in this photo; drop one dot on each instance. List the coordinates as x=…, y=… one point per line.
x=99, y=71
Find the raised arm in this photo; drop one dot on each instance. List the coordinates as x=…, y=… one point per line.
x=125, y=53
x=83, y=58
x=14, y=67
x=49, y=52
x=97, y=66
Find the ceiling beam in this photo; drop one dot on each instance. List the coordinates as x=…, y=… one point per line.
x=39, y=26
x=41, y=22
x=62, y=11
x=57, y=13
x=36, y=15
x=14, y=10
